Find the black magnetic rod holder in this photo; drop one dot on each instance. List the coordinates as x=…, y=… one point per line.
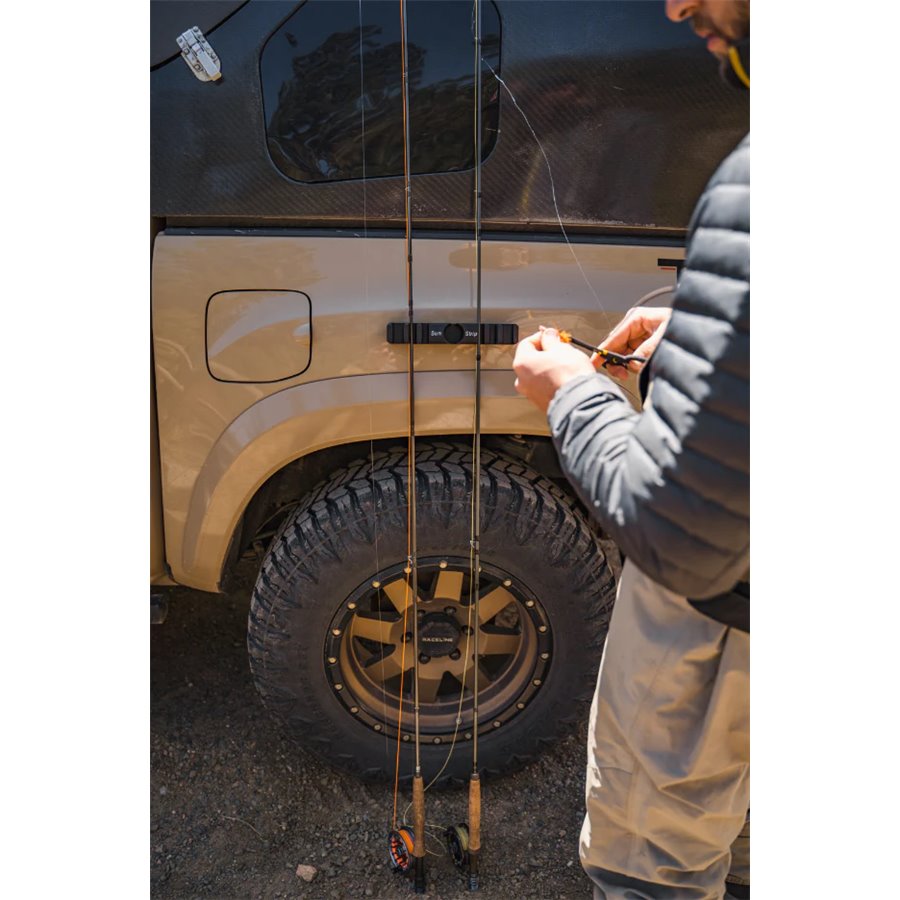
x=452, y=333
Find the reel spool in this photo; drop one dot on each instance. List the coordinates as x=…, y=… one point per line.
x=400, y=849
x=456, y=837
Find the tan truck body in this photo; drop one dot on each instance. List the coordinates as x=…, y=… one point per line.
x=230, y=311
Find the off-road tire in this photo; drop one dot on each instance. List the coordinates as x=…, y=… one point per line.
x=327, y=547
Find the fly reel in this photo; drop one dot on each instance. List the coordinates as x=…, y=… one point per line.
x=456, y=837
x=400, y=849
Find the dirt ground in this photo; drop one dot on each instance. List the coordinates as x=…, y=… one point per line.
x=236, y=806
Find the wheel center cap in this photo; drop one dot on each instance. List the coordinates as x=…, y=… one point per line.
x=438, y=634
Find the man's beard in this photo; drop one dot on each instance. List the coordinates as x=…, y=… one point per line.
x=739, y=28
x=739, y=37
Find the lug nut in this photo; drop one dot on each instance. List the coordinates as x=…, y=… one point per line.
x=351, y=606
x=407, y=637
x=405, y=737
x=536, y=682
x=332, y=660
x=377, y=727
x=467, y=629
x=338, y=687
x=437, y=740
x=354, y=710
x=545, y=656
x=529, y=603
x=443, y=563
x=450, y=610
x=455, y=654
x=520, y=706
x=507, y=582
x=542, y=628
x=376, y=584
x=468, y=735
x=336, y=632
x=497, y=724
x=424, y=659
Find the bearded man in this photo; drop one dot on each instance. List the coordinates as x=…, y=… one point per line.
x=668, y=775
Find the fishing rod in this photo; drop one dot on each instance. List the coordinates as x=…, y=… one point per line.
x=474, y=818
x=406, y=845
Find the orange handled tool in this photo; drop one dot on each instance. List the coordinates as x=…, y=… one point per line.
x=609, y=358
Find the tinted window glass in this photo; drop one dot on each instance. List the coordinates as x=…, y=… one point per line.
x=318, y=104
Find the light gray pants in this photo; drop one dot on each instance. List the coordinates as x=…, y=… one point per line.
x=668, y=774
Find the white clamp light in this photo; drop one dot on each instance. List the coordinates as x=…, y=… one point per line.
x=200, y=57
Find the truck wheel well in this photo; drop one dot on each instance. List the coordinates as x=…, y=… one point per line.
x=285, y=489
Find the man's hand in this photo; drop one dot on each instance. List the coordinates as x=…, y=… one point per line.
x=543, y=364
x=639, y=333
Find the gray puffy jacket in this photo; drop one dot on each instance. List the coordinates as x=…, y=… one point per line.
x=671, y=485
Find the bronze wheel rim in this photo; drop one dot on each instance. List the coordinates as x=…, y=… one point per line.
x=367, y=649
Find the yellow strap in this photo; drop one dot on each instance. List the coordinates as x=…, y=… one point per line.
x=738, y=68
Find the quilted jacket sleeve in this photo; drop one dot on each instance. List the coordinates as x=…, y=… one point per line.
x=671, y=485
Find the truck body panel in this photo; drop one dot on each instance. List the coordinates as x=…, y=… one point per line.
x=220, y=441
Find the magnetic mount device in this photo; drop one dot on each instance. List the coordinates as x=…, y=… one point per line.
x=452, y=333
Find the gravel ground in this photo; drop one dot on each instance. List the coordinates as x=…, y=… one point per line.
x=236, y=806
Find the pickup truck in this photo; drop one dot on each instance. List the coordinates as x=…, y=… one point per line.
x=280, y=388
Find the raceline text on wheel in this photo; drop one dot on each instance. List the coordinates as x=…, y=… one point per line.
x=326, y=636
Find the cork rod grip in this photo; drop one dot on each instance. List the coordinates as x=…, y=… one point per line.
x=418, y=799
x=419, y=829
x=474, y=813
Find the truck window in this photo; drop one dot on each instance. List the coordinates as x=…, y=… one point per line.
x=317, y=100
